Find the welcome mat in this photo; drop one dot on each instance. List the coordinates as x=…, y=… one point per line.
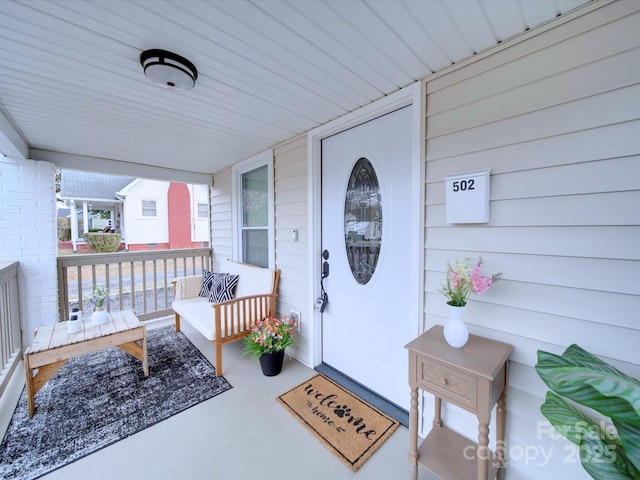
x=348, y=426
x=99, y=398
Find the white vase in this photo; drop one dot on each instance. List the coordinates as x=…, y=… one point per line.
x=455, y=331
x=99, y=317
x=74, y=325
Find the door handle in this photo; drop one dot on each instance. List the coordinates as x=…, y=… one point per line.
x=325, y=269
x=323, y=299
x=325, y=264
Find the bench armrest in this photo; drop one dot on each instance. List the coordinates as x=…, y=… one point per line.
x=236, y=317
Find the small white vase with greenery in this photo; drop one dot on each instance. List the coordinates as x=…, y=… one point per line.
x=99, y=297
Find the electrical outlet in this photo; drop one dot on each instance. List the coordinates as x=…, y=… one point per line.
x=294, y=315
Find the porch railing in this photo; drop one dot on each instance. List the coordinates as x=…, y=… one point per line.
x=10, y=330
x=140, y=281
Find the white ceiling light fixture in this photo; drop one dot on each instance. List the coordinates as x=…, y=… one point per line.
x=168, y=70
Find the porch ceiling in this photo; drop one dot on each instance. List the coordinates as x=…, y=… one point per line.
x=71, y=80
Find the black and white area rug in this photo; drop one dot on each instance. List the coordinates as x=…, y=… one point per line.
x=100, y=398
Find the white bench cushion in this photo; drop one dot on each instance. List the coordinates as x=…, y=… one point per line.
x=199, y=313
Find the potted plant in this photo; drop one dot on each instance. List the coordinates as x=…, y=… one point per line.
x=268, y=340
x=463, y=280
x=99, y=296
x=605, y=451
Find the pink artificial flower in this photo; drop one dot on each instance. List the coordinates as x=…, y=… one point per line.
x=479, y=283
x=456, y=279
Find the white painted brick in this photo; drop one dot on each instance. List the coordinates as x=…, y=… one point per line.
x=14, y=218
x=9, y=170
x=11, y=200
x=27, y=203
x=8, y=209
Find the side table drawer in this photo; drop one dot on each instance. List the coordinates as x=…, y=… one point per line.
x=448, y=383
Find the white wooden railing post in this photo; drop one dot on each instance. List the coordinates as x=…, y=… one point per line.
x=10, y=329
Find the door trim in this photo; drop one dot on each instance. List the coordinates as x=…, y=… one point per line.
x=414, y=95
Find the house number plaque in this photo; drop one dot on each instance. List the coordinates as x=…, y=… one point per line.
x=467, y=197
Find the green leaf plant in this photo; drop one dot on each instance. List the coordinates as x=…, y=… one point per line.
x=605, y=452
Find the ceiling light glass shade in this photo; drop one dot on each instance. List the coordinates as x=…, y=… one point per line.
x=168, y=70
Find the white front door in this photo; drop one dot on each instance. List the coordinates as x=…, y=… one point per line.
x=366, y=224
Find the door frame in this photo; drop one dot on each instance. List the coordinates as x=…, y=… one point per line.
x=414, y=95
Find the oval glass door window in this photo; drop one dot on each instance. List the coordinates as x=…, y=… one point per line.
x=363, y=221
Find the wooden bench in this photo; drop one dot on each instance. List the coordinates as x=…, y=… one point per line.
x=232, y=320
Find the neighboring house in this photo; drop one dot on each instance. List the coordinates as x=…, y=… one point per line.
x=150, y=214
x=555, y=115
x=162, y=215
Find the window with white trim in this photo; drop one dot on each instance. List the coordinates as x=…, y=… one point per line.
x=253, y=210
x=203, y=210
x=149, y=208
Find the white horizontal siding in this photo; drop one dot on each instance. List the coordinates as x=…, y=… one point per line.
x=290, y=177
x=554, y=211
x=603, y=143
x=591, y=242
x=220, y=205
x=595, y=176
x=556, y=119
x=611, y=107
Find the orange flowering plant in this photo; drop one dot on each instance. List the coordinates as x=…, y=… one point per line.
x=270, y=335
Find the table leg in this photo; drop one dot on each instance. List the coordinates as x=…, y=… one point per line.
x=145, y=361
x=29, y=387
x=437, y=416
x=139, y=351
x=413, y=433
x=483, y=452
x=501, y=413
x=35, y=382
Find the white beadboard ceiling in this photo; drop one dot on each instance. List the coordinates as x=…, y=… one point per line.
x=71, y=80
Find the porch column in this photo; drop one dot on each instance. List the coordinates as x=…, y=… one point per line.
x=74, y=226
x=121, y=225
x=85, y=217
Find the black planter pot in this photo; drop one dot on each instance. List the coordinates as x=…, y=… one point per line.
x=271, y=363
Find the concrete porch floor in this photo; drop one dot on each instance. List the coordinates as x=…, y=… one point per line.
x=243, y=433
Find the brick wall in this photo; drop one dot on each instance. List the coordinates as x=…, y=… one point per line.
x=28, y=235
